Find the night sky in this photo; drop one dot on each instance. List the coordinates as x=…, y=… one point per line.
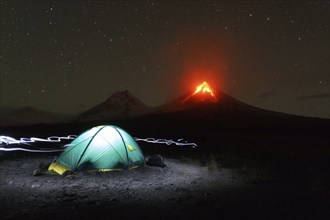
x=68, y=56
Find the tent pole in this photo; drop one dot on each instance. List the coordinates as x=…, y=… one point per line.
x=87, y=147
x=124, y=146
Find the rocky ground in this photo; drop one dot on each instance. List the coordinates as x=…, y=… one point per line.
x=183, y=190
x=124, y=194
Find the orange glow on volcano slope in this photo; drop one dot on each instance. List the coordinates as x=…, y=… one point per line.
x=203, y=92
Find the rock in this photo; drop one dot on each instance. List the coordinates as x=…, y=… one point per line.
x=35, y=185
x=182, y=190
x=156, y=160
x=37, y=172
x=204, y=203
x=68, y=173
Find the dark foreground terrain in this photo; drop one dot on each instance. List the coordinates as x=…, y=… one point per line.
x=182, y=188
x=185, y=189
x=240, y=170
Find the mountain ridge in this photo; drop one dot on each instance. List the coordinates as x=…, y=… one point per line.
x=123, y=105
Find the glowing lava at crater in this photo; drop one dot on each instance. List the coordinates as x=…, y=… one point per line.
x=203, y=92
x=204, y=88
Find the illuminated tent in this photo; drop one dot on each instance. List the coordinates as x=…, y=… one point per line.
x=102, y=148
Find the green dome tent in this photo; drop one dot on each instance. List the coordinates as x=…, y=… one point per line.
x=102, y=148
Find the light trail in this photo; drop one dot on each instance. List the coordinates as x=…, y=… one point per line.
x=167, y=142
x=30, y=150
x=5, y=141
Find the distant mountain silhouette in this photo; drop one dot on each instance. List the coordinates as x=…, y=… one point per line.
x=201, y=105
x=119, y=105
x=27, y=116
x=6, y=110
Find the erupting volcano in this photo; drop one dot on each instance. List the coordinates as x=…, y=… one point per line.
x=203, y=93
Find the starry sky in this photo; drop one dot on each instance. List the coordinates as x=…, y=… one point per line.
x=68, y=56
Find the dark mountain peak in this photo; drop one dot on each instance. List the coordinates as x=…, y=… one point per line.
x=28, y=109
x=119, y=104
x=122, y=96
x=28, y=116
x=121, y=93
x=6, y=110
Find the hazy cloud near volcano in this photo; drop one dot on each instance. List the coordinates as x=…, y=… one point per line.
x=317, y=96
x=266, y=94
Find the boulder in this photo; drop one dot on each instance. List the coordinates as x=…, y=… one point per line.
x=156, y=160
